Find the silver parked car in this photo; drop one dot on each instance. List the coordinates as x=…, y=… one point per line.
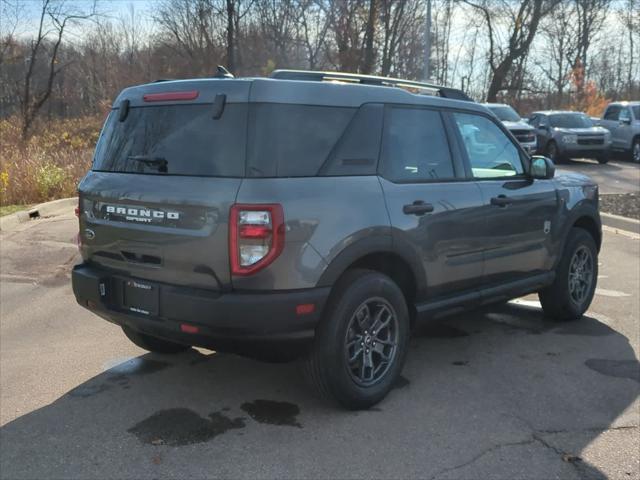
x=564, y=134
x=622, y=119
x=519, y=128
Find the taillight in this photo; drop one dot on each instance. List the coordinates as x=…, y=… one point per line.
x=256, y=236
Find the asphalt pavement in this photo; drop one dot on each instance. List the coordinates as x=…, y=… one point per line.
x=617, y=176
x=501, y=393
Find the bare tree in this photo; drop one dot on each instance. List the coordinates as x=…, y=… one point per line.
x=523, y=20
x=54, y=19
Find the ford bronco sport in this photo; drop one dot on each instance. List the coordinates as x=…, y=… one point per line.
x=323, y=210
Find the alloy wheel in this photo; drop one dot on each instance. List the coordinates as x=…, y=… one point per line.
x=371, y=341
x=580, y=275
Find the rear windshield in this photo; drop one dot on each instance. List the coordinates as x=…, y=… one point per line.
x=174, y=140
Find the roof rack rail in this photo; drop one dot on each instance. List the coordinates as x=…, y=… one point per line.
x=318, y=76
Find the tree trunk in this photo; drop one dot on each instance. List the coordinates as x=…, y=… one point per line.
x=231, y=46
x=369, y=52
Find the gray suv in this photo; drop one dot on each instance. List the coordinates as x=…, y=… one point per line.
x=564, y=134
x=321, y=215
x=519, y=128
x=622, y=119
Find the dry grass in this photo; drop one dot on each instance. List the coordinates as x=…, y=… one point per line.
x=50, y=164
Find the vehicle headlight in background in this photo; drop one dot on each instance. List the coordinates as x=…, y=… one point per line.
x=569, y=139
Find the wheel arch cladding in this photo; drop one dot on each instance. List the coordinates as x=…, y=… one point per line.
x=588, y=223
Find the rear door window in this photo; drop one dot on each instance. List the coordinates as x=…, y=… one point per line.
x=174, y=140
x=415, y=146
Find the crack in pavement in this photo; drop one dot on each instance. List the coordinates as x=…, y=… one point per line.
x=584, y=471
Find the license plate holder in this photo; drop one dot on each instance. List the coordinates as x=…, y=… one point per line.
x=140, y=297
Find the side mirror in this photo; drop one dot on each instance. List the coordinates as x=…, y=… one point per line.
x=625, y=121
x=542, y=168
x=544, y=127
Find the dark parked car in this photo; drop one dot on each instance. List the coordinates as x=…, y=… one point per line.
x=323, y=215
x=563, y=134
x=518, y=127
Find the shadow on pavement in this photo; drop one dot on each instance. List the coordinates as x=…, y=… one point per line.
x=485, y=394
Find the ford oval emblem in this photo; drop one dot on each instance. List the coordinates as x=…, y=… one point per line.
x=89, y=234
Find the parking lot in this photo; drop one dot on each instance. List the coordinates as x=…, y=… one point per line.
x=500, y=393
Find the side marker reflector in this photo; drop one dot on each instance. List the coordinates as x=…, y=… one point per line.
x=305, y=308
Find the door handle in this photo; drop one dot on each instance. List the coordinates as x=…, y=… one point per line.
x=417, y=208
x=501, y=201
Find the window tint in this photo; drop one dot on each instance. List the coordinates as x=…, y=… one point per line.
x=625, y=114
x=636, y=111
x=356, y=153
x=415, y=146
x=174, y=140
x=491, y=153
x=612, y=112
x=292, y=140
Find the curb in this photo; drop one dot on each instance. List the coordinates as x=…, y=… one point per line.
x=618, y=222
x=55, y=207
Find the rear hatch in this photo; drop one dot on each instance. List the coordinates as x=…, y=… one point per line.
x=167, y=168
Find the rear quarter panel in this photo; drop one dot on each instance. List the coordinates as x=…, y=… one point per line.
x=323, y=216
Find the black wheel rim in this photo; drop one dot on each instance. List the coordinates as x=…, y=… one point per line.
x=371, y=341
x=580, y=275
x=636, y=152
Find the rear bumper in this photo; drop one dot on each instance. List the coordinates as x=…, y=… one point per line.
x=221, y=319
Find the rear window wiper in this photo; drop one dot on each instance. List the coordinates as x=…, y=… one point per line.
x=160, y=162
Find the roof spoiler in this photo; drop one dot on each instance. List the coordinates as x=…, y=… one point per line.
x=317, y=76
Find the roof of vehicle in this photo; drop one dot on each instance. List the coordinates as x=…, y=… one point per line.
x=278, y=90
x=557, y=112
x=626, y=103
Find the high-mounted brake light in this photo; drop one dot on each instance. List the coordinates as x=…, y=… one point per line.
x=170, y=96
x=256, y=236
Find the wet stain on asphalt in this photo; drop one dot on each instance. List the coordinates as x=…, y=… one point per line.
x=401, y=382
x=272, y=412
x=615, y=368
x=180, y=426
x=439, y=330
x=460, y=363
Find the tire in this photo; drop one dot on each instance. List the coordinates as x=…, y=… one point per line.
x=603, y=159
x=634, y=155
x=552, y=152
x=344, y=325
x=563, y=302
x=153, y=344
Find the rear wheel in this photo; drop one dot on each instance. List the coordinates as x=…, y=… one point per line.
x=576, y=276
x=153, y=344
x=361, y=343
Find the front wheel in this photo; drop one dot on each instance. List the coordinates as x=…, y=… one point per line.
x=635, y=150
x=153, y=344
x=361, y=343
x=603, y=159
x=576, y=276
x=552, y=152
